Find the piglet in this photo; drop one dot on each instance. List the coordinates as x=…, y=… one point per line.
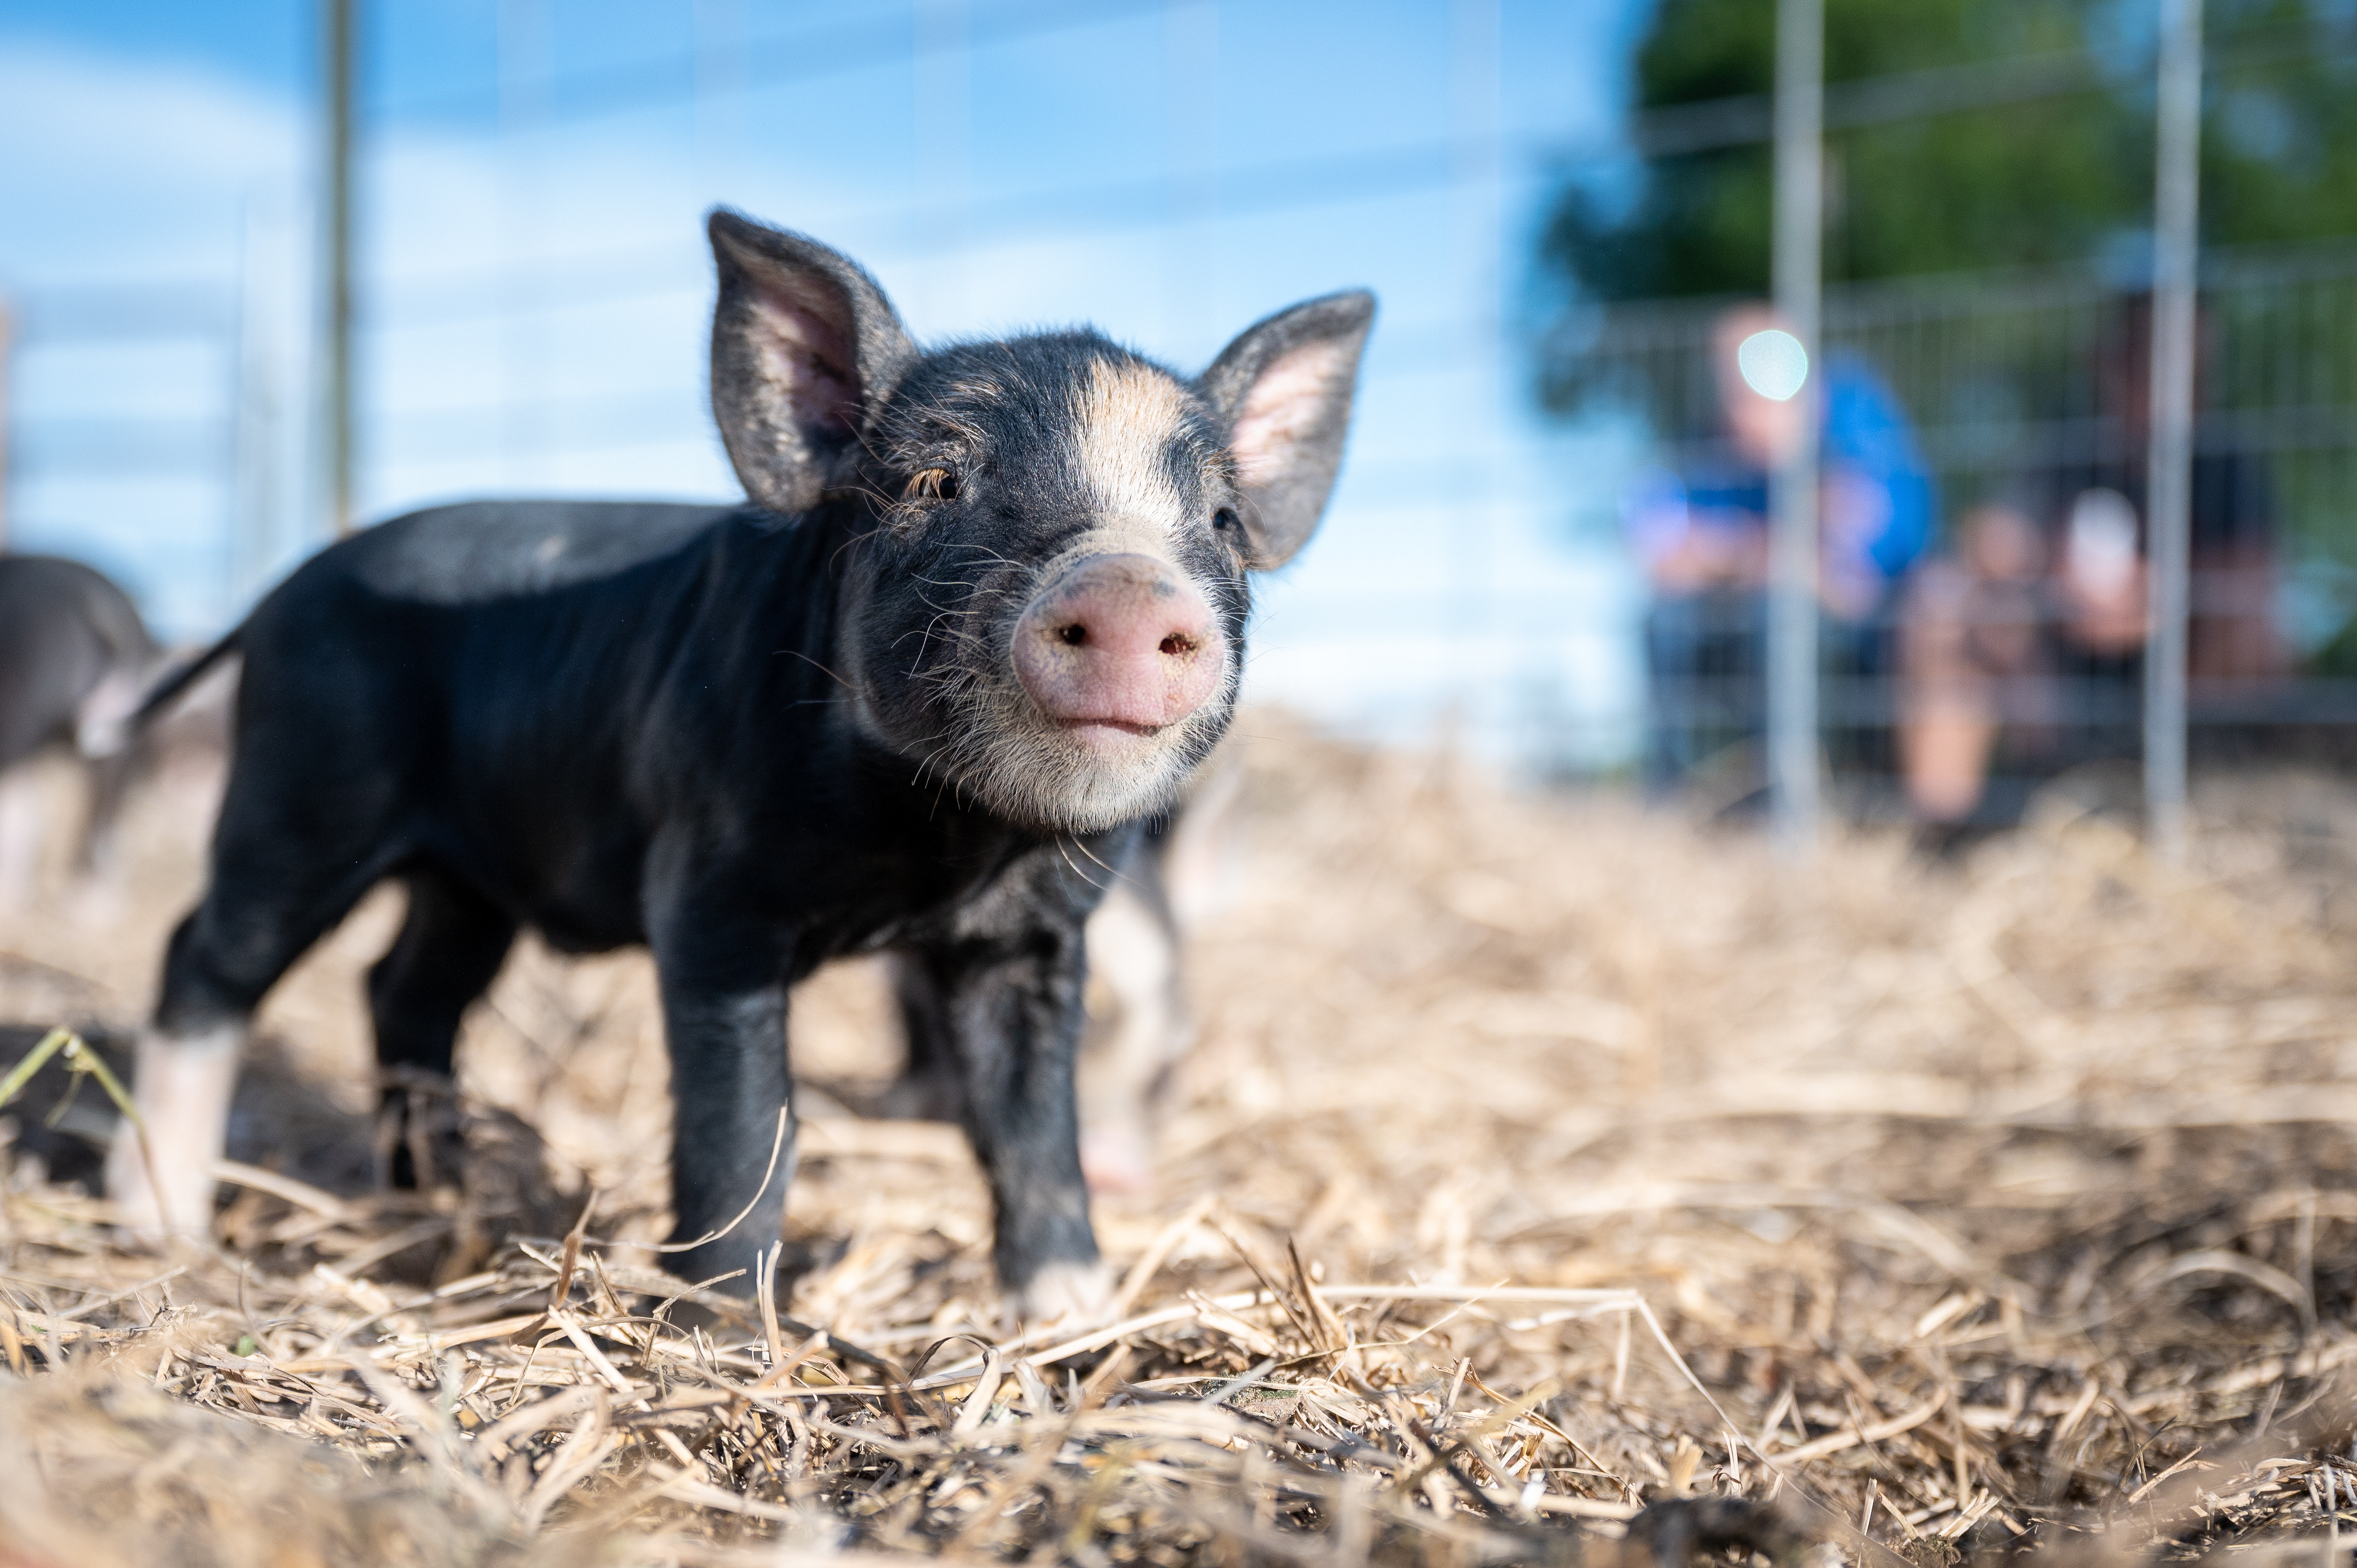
x=979, y=617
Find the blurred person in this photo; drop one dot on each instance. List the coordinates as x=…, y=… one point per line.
x=2043, y=614
x=2100, y=516
x=2096, y=517
x=1702, y=538
x=1975, y=655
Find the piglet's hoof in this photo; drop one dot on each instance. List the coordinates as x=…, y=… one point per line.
x=1077, y=1296
x=1118, y=1162
x=182, y=1211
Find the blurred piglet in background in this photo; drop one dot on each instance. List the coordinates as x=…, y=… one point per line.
x=74, y=657
x=1139, y=1023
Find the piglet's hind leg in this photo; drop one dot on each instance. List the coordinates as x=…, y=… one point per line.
x=165, y=1188
x=262, y=911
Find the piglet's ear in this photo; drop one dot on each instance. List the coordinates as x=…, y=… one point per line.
x=804, y=348
x=1284, y=387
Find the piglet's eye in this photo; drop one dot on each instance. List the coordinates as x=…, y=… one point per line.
x=930, y=484
x=1226, y=521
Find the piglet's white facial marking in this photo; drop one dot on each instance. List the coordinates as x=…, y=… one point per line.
x=183, y=1086
x=1124, y=420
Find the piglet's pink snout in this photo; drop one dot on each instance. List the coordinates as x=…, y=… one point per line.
x=1119, y=643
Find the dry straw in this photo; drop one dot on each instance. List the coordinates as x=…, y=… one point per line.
x=1551, y=1181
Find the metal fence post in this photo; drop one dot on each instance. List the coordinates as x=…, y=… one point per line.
x=7, y=344
x=1793, y=547
x=1477, y=703
x=336, y=368
x=2168, y=477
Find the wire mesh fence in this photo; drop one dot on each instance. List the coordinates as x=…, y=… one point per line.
x=1982, y=562
x=499, y=358
x=532, y=292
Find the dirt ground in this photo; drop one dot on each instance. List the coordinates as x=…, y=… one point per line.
x=1552, y=1180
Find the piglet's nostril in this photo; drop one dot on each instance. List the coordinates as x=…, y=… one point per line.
x=1074, y=635
x=1178, y=643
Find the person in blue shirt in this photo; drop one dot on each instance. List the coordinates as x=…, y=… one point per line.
x=1701, y=535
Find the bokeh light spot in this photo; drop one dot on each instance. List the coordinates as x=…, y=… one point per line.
x=1773, y=363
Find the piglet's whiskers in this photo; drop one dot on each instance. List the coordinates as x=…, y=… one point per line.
x=1112, y=870
x=1075, y=865
x=798, y=653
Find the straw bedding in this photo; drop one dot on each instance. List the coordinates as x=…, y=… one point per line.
x=1551, y=1181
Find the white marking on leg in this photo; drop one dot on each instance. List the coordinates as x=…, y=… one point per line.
x=1073, y=1294
x=1130, y=953
x=103, y=719
x=24, y=811
x=182, y=1089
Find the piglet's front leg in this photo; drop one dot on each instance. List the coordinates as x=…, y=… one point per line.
x=724, y=997
x=1011, y=1013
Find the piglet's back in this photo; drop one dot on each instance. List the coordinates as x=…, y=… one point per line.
x=485, y=551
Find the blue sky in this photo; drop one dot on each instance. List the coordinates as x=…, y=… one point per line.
x=533, y=284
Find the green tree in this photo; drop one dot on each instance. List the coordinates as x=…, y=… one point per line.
x=2042, y=180
x=2279, y=140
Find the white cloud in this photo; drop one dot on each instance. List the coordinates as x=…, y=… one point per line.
x=126, y=169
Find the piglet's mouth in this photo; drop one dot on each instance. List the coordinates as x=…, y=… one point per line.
x=1108, y=734
x=1125, y=726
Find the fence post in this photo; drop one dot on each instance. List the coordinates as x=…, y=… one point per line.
x=336, y=173
x=2168, y=477
x=7, y=343
x=1792, y=534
